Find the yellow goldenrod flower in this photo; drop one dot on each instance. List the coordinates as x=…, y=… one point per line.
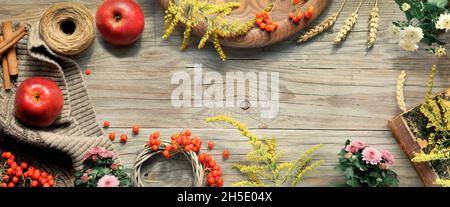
x=267, y=160
x=438, y=155
x=443, y=183
x=190, y=13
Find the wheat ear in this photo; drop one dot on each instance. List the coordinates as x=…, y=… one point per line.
x=348, y=25
x=324, y=25
x=373, y=25
x=399, y=91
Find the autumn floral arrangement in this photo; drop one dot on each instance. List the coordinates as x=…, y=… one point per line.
x=365, y=166
x=101, y=170
x=265, y=167
x=425, y=21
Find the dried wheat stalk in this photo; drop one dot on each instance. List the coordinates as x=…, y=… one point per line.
x=348, y=25
x=323, y=26
x=373, y=25
x=399, y=91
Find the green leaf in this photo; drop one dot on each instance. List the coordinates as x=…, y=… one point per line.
x=78, y=174
x=348, y=142
x=375, y=174
x=349, y=173
x=438, y=3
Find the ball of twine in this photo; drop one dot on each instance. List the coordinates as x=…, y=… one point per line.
x=197, y=168
x=67, y=28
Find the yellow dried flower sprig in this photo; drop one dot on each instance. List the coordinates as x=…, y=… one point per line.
x=434, y=155
x=443, y=183
x=192, y=13
x=266, y=158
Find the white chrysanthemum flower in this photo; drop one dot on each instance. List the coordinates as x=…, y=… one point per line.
x=406, y=7
x=411, y=34
x=408, y=45
x=443, y=22
x=440, y=51
x=395, y=31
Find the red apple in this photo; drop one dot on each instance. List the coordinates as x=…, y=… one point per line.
x=121, y=22
x=39, y=102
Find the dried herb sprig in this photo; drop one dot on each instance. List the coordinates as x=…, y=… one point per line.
x=443, y=183
x=323, y=26
x=266, y=164
x=373, y=25
x=348, y=25
x=193, y=13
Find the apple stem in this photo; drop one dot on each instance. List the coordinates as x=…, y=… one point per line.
x=118, y=17
x=36, y=98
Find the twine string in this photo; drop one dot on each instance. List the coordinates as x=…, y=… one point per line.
x=67, y=28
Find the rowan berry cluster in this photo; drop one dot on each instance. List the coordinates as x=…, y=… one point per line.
x=23, y=175
x=183, y=140
x=265, y=22
x=298, y=15
x=214, y=177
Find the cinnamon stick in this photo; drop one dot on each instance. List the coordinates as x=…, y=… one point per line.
x=6, y=78
x=12, y=40
x=11, y=54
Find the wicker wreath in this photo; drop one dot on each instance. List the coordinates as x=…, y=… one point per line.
x=197, y=168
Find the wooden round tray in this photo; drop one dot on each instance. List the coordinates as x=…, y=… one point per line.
x=256, y=37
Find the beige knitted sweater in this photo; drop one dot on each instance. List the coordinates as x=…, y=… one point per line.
x=60, y=148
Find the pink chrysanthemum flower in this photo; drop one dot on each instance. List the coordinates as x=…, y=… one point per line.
x=108, y=181
x=100, y=151
x=97, y=150
x=114, y=166
x=107, y=154
x=387, y=156
x=371, y=156
x=355, y=146
x=87, y=155
x=93, y=151
x=94, y=158
x=85, y=178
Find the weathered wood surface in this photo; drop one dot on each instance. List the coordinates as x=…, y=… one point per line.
x=328, y=93
x=255, y=37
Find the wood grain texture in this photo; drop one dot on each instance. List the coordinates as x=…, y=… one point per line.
x=256, y=37
x=328, y=93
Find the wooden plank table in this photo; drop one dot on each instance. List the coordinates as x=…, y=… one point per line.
x=328, y=94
